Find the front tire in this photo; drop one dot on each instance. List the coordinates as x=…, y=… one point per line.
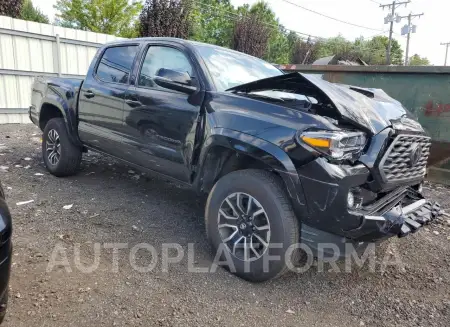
x=61, y=156
x=249, y=215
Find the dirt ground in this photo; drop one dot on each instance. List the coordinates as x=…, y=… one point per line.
x=113, y=203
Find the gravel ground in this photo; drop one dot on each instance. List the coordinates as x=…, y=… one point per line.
x=111, y=203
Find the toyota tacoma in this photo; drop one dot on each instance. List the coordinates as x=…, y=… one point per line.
x=285, y=159
x=5, y=253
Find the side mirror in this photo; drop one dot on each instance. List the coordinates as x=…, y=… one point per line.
x=174, y=80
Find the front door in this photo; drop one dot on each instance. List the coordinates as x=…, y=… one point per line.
x=161, y=123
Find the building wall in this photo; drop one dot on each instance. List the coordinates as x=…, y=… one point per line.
x=29, y=49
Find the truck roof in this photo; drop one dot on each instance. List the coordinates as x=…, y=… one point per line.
x=189, y=43
x=147, y=39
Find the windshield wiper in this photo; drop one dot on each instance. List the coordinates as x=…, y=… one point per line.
x=261, y=96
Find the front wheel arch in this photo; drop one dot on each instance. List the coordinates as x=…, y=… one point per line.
x=229, y=151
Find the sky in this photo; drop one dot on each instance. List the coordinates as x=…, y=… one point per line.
x=432, y=28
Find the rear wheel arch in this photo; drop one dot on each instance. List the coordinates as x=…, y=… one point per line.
x=49, y=111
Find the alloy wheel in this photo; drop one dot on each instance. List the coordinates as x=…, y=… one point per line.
x=244, y=226
x=53, y=147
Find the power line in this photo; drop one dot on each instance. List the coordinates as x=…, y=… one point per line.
x=375, y=2
x=235, y=16
x=305, y=36
x=332, y=18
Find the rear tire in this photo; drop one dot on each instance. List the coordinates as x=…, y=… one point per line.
x=61, y=156
x=275, y=224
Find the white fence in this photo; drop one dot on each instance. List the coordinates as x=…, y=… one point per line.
x=29, y=49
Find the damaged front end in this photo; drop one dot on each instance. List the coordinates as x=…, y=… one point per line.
x=364, y=185
x=399, y=213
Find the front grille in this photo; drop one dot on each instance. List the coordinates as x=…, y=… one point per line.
x=406, y=158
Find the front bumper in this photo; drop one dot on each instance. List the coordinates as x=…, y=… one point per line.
x=399, y=221
x=399, y=212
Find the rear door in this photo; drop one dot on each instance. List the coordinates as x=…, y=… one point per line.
x=102, y=97
x=161, y=123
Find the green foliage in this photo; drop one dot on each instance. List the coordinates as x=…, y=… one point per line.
x=417, y=60
x=338, y=46
x=171, y=18
x=303, y=51
x=31, y=13
x=273, y=38
x=213, y=22
x=115, y=17
x=374, y=51
x=252, y=29
x=11, y=8
x=278, y=50
x=251, y=35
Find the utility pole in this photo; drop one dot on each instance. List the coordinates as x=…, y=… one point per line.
x=390, y=19
x=446, y=51
x=408, y=29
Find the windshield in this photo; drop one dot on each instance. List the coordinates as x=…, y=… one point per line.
x=230, y=68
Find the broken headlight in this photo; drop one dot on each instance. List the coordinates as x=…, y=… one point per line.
x=336, y=145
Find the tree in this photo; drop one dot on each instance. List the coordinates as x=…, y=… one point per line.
x=417, y=60
x=31, y=13
x=11, y=8
x=116, y=17
x=304, y=52
x=251, y=35
x=278, y=50
x=374, y=51
x=170, y=18
x=213, y=22
x=338, y=46
x=258, y=32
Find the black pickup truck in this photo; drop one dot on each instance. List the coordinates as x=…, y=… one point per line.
x=5, y=253
x=286, y=159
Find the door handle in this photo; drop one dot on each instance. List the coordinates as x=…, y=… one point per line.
x=89, y=94
x=133, y=103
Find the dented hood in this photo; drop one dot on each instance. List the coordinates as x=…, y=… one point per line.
x=369, y=109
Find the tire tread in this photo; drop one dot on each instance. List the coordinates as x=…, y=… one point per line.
x=276, y=184
x=70, y=161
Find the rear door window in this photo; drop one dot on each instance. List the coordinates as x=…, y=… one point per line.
x=116, y=64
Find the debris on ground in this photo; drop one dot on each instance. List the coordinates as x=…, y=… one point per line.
x=24, y=202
